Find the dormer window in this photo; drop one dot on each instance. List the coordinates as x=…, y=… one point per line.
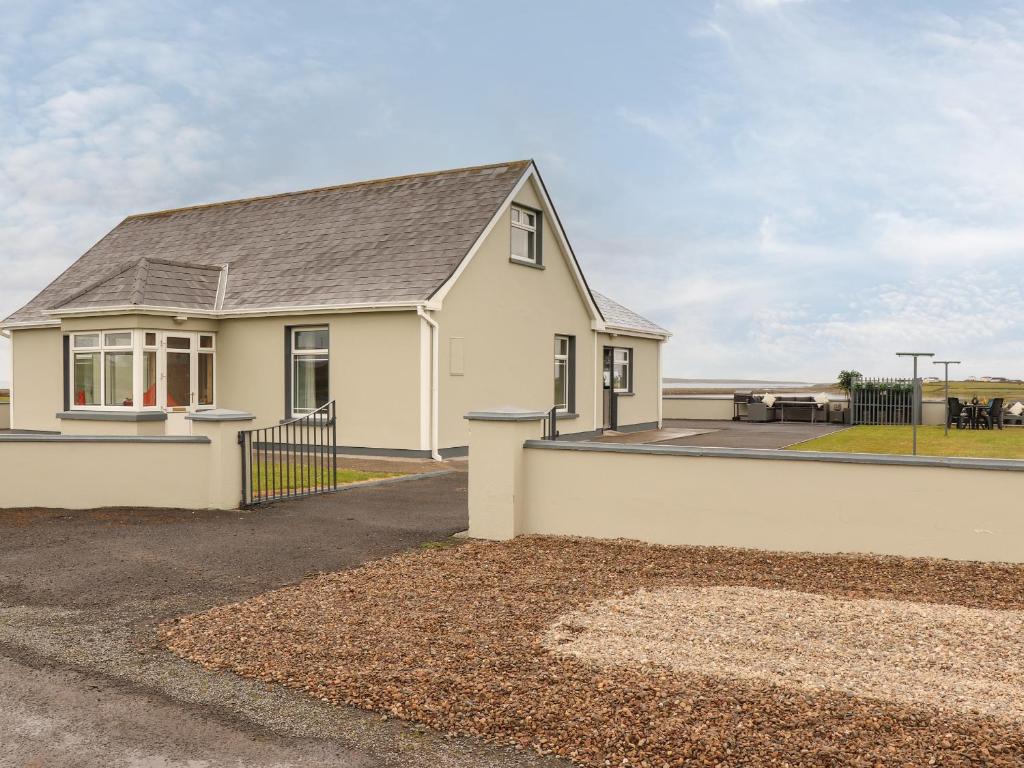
x=525, y=229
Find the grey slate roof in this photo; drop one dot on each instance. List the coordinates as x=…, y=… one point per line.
x=383, y=241
x=152, y=283
x=622, y=317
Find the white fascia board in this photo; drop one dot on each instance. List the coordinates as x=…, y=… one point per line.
x=615, y=330
x=139, y=309
x=437, y=299
x=6, y=328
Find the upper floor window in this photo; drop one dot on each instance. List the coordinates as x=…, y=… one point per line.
x=525, y=231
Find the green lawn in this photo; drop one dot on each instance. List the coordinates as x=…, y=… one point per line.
x=280, y=476
x=982, y=443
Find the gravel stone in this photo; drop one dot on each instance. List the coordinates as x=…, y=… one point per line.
x=520, y=643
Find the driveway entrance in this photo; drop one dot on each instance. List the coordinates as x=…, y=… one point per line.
x=84, y=682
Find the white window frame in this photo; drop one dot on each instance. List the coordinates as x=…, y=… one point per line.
x=628, y=364
x=565, y=359
x=296, y=352
x=138, y=348
x=518, y=216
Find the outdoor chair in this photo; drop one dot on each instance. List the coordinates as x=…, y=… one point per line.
x=1009, y=417
x=954, y=413
x=993, y=415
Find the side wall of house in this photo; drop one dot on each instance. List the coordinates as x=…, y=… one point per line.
x=37, y=388
x=374, y=373
x=497, y=329
x=639, y=407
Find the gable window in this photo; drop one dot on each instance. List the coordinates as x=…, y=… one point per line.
x=622, y=369
x=525, y=235
x=565, y=373
x=310, y=360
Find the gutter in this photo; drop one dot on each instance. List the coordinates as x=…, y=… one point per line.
x=434, y=366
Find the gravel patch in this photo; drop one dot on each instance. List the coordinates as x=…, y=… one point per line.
x=461, y=639
x=967, y=660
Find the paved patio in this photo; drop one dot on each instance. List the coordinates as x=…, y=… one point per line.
x=726, y=434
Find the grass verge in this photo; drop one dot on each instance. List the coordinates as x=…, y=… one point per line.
x=967, y=443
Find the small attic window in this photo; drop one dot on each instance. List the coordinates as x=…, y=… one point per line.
x=525, y=235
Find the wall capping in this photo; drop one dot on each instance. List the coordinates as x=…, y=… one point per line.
x=60, y=438
x=505, y=413
x=112, y=415
x=771, y=454
x=220, y=414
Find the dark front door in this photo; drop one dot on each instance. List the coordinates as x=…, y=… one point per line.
x=611, y=420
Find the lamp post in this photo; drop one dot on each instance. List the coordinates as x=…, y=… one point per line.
x=915, y=406
x=946, y=363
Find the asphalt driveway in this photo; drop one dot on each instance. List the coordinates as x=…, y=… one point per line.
x=83, y=681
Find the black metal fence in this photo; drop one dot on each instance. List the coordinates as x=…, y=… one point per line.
x=295, y=458
x=883, y=401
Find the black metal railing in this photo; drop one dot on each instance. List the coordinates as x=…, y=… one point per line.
x=295, y=458
x=551, y=424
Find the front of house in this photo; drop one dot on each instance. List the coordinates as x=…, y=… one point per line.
x=408, y=301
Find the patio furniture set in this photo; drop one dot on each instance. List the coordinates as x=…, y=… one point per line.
x=768, y=407
x=974, y=415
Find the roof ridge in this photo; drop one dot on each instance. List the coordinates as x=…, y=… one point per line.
x=141, y=281
x=109, y=275
x=329, y=188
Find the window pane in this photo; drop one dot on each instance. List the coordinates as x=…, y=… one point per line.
x=119, y=339
x=561, y=345
x=87, y=378
x=87, y=340
x=118, y=381
x=314, y=338
x=310, y=383
x=178, y=379
x=206, y=342
x=205, y=379
x=522, y=244
x=515, y=215
x=561, y=383
x=621, y=376
x=621, y=355
x=150, y=339
x=179, y=342
x=149, y=377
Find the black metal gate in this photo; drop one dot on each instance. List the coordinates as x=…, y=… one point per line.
x=295, y=458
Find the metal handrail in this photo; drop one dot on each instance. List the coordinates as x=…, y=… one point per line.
x=551, y=424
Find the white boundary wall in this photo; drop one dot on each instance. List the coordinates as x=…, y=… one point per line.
x=201, y=471
x=965, y=509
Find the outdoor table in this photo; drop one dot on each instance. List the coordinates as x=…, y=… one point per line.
x=973, y=412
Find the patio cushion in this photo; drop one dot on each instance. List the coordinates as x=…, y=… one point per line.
x=1017, y=408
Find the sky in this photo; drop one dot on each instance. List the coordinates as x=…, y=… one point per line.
x=792, y=187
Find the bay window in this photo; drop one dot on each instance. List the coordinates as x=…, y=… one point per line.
x=137, y=370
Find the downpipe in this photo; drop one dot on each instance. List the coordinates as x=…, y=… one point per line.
x=434, y=367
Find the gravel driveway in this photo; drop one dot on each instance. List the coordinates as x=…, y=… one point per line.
x=83, y=681
x=618, y=653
